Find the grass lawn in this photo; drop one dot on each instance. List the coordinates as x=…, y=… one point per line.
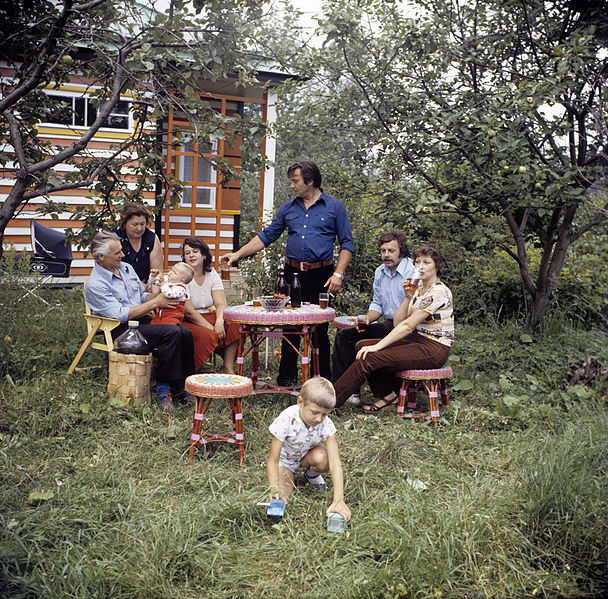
x=99, y=500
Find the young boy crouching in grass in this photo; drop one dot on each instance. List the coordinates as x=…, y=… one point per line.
x=298, y=435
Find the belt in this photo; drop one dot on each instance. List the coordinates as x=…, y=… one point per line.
x=308, y=265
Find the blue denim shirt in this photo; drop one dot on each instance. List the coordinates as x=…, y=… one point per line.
x=112, y=296
x=312, y=232
x=388, y=289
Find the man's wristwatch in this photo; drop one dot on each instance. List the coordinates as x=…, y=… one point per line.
x=337, y=274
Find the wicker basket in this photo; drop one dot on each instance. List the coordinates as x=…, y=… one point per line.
x=129, y=377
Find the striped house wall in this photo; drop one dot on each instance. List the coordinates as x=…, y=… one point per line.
x=17, y=233
x=217, y=225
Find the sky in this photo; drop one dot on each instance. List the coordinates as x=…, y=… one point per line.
x=308, y=8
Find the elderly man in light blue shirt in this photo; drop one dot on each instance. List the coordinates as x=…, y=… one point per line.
x=388, y=295
x=115, y=291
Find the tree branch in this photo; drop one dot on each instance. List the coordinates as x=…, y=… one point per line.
x=17, y=145
x=91, y=178
x=387, y=128
x=522, y=257
x=593, y=223
x=48, y=47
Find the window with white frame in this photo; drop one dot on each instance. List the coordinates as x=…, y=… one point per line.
x=200, y=185
x=78, y=110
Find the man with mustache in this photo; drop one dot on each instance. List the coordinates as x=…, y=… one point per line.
x=388, y=295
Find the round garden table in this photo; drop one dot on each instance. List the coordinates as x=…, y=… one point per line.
x=344, y=322
x=256, y=323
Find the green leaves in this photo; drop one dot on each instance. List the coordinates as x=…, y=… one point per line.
x=482, y=113
x=465, y=385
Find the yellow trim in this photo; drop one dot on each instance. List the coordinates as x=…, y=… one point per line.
x=80, y=87
x=188, y=211
x=65, y=130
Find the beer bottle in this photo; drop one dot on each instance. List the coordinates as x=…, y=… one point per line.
x=296, y=291
x=280, y=284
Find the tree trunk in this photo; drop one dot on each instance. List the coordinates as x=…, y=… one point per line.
x=9, y=207
x=539, y=306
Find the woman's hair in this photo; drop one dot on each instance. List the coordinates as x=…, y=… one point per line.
x=100, y=246
x=320, y=391
x=398, y=236
x=428, y=250
x=195, y=243
x=133, y=209
x=308, y=170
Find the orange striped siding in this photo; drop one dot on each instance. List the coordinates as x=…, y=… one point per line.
x=215, y=227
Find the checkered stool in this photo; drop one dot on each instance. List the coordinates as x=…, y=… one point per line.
x=434, y=381
x=206, y=387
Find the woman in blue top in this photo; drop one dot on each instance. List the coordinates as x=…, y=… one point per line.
x=140, y=245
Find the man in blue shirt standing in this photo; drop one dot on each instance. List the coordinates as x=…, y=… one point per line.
x=388, y=295
x=115, y=291
x=313, y=220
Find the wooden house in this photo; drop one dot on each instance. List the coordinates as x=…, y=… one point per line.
x=205, y=208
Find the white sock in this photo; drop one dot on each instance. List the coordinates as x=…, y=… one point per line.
x=312, y=473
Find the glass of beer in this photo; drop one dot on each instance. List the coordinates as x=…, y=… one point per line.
x=411, y=283
x=224, y=271
x=361, y=323
x=323, y=300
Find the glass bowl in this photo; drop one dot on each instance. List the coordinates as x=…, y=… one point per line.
x=272, y=304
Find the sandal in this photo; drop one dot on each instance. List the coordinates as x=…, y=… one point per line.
x=380, y=406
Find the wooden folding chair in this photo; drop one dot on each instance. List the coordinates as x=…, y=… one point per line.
x=95, y=325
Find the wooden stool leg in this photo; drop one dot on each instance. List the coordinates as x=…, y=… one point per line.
x=306, y=355
x=240, y=360
x=197, y=425
x=255, y=362
x=316, y=368
x=412, y=396
x=402, y=396
x=443, y=388
x=237, y=406
x=314, y=346
x=433, y=402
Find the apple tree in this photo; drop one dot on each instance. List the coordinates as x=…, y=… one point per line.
x=119, y=48
x=492, y=110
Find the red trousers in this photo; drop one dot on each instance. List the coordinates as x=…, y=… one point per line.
x=170, y=315
x=206, y=340
x=409, y=353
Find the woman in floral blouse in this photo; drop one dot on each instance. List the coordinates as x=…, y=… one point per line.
x=421, y=339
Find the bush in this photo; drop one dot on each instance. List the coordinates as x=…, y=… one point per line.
x=490, y=284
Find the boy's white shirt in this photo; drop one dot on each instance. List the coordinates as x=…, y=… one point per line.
x=297, y=438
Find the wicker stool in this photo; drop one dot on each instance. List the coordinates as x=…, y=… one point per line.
x=206, y=387
x=432, y=380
